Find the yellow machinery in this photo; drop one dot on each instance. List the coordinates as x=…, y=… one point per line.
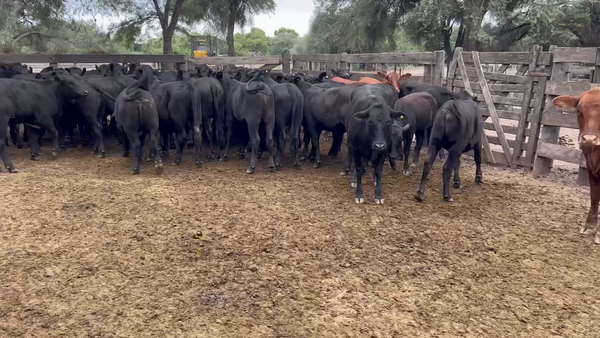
x=204, y=45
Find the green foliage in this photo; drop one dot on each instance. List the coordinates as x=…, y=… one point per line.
x=284, y=30
x=284, y=39
x=181, y=45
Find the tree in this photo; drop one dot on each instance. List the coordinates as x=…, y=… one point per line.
x=226, y=14
x=284, y=39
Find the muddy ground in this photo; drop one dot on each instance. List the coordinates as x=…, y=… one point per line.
x=88, y=250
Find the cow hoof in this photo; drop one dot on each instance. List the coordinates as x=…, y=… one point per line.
x=102, y=154
x=395, y=168
x=317, y=164
x=406, y=173
x=587, y=231
x=177, y=162
x=419, y=196
x=242, y=156
x=597, y=239
x=251, y=170
x=360, y=200
x=135, y=171
x=478, y=179
x=448, y=199
x=344, y=173
x=35, y=157
x=297, y=165
x=379, y=201
x=54, y=154
x=198, y=163
x=415, y=164
x=126, y=154
x=158, y=168
x=302, y=158
x=353, y=184
x=12, y=170
x=457, y=185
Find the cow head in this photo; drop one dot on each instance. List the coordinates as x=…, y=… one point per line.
x=69, y=86
x=379, y=119
x=394, y=78
x=397, y=132
x=587, y=107
x=343, y=73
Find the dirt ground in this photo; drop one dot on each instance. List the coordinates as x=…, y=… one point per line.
x=88, y=250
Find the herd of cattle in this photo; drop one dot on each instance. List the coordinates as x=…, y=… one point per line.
x=259, y=110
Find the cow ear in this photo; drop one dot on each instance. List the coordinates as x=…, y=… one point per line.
x=334, y=72
x=38, y=76
x=405, y=76
x=31, y=70
x=323, y=76
x=83, y=71
x=296, y=79
x=111, y=67
x=382, y=75
x=398, y=115
x=279, y=78
x=362, y=115
x=567, y=103
x=97, y=68
x=68, y=70
x=219, y=75
x=180, y=75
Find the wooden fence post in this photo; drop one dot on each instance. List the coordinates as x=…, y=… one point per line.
x=285, y=60
x=438, y=68
x=452, y=70
x=549, y=134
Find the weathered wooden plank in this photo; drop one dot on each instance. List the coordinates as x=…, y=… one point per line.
x=463, y=72
x=91, y=58
x=490, y=105
x=535, y=122
x=549, y=134
x=285, y=62
x=501, y=114
x=317, y=57
x=507, y=129
x=525, y=106
x=395, y=58
x=509, y=101
x=596, y=72
x=438, y=68
x=513, y=88
x=568, y=88
x=578, y=70
x=558, y=152
x=560, y=120
x=575, y=55
x=498, y=157
x=452, y=71
x=520, y=79
x=513, y=58
x=495, y=140
x=238, y=60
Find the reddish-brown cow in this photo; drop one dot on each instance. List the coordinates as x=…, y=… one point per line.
x=587, y=107
x=393, y=79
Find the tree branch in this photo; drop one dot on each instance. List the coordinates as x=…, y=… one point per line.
x=160, y=14
x=176, y=14
x=24, y=35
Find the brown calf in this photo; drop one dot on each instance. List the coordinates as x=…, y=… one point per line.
x=587, y=107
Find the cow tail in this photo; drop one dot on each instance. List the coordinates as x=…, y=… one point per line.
x=197, y=112
x=140, y=112
x=259, y=86
x=454, y=111
x=297, y=116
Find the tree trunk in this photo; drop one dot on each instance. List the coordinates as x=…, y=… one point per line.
x=472, y=22
x=447, y=33
x=230, y=30
x=168, y=48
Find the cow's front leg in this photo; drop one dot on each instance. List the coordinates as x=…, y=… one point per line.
x=592, y=219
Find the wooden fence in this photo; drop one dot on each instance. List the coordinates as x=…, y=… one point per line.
x=432, y=62
x=574, y=71
x=512, y=102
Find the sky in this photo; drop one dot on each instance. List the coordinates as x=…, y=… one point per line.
x=293, y=14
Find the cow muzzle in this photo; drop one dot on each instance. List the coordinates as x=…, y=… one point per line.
x=589, y=140
x=378, y=146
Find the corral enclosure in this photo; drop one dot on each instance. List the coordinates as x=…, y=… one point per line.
x=89, y=250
